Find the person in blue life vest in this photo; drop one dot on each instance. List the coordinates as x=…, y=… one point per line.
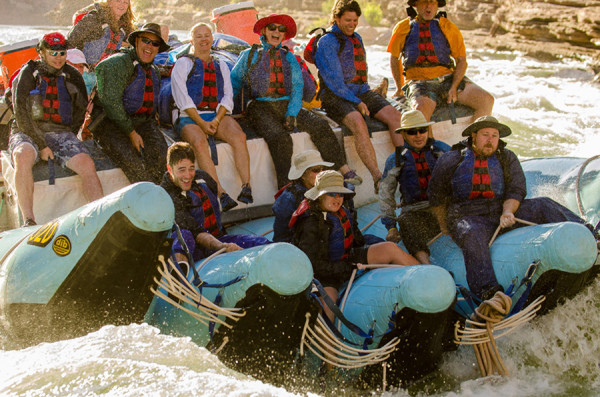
x=478, y=185
x=101, y=29
x=328, y=234
x=345, y=92
x=49, y=101
x=431, y=51
x=201, y=87
x=128, y=87
x=409, y=169
x=194, y=195
x=274, y=78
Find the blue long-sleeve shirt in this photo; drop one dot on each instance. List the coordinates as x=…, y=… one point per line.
x=240, y=71
x=336, y=70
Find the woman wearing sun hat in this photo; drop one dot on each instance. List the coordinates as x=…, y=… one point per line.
x=274, y=79
x=329, y=235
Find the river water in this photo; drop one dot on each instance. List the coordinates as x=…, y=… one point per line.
x=553, y=109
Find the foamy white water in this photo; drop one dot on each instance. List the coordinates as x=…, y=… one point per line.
x=553, y=108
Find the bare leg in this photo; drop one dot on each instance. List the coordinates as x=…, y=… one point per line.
x=477, y=98
x=389, y=253
x=83, y=165
x=426, y=106
x=332, y=293
x=194, y=135
x=24, y=158
x=230, y=131
x=391, y=117
x=355, y=122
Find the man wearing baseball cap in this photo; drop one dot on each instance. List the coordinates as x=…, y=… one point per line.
x=128, y=87
x=478, y=185
x=433, y=55
x=49, y=99
x=410, y=169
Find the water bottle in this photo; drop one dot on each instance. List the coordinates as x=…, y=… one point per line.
x=37, y=110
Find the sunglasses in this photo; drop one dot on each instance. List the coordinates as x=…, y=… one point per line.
x=316, y=170
x=155, y=43
x=416, y=131
x=335, y=194
x=55, y=53
x=272, y=27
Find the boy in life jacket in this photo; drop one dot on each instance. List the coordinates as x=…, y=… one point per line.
x=345, y=92
x=274, y=78
x=329, y=235
x=478, y=185
x=434, y=59
x=128, y=87
x=49, y=101
x=410, y=169
x=194, y=194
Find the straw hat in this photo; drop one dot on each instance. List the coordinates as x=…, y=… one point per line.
x=327, y=182
x=487, y=122
x=303, y=161
x=413, y=119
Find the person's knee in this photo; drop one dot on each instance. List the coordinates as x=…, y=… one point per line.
x=24, y=156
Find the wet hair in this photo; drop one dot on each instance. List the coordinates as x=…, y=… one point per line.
x=180, y=151
x=196, y=26
x=342, y=6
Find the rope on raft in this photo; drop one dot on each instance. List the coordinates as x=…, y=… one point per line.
x=483, y=328
x=323, y=343
x=577, y=183
x=176, y=285
x=500, y=227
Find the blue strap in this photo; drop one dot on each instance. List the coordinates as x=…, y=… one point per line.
x=213, y=150
x=338, y=313
x=197, y=281
x=528, y=282
x=51, y=174
x=472, y=300
x=211, y=324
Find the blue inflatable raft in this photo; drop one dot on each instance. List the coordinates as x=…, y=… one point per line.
x=90, y=267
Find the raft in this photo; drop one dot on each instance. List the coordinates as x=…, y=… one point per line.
x=91, y=267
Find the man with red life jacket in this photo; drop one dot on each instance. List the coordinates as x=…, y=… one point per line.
x=194, y=194
x=128, y=87
x=275, y=81
x=345, y=92
x=410, y=169
x=49, y=101
x=478, y=185
x=434, y=59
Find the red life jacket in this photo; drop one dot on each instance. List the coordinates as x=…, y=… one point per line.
x=112, y=46
x=360, y=62
x=147, y=107
x=423, y=172
x=276, y=86
x=482, y=186
x=50, y=103
x=210, y=218
x=347, y=228
x=210, y=99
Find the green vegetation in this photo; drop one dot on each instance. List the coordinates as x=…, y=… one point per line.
x=372, y=12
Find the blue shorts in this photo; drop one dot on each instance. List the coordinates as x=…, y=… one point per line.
x=182, y=121
x=337, y=108
x=64, y=145
x=436, y=89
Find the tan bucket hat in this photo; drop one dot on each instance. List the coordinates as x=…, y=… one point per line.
x=303, y=161
x=413, y=119
x=327, y=182
x=487, y=122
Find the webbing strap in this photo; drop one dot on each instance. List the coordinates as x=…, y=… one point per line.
x=197, y=280
x=211, y=324
x=51, y=173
